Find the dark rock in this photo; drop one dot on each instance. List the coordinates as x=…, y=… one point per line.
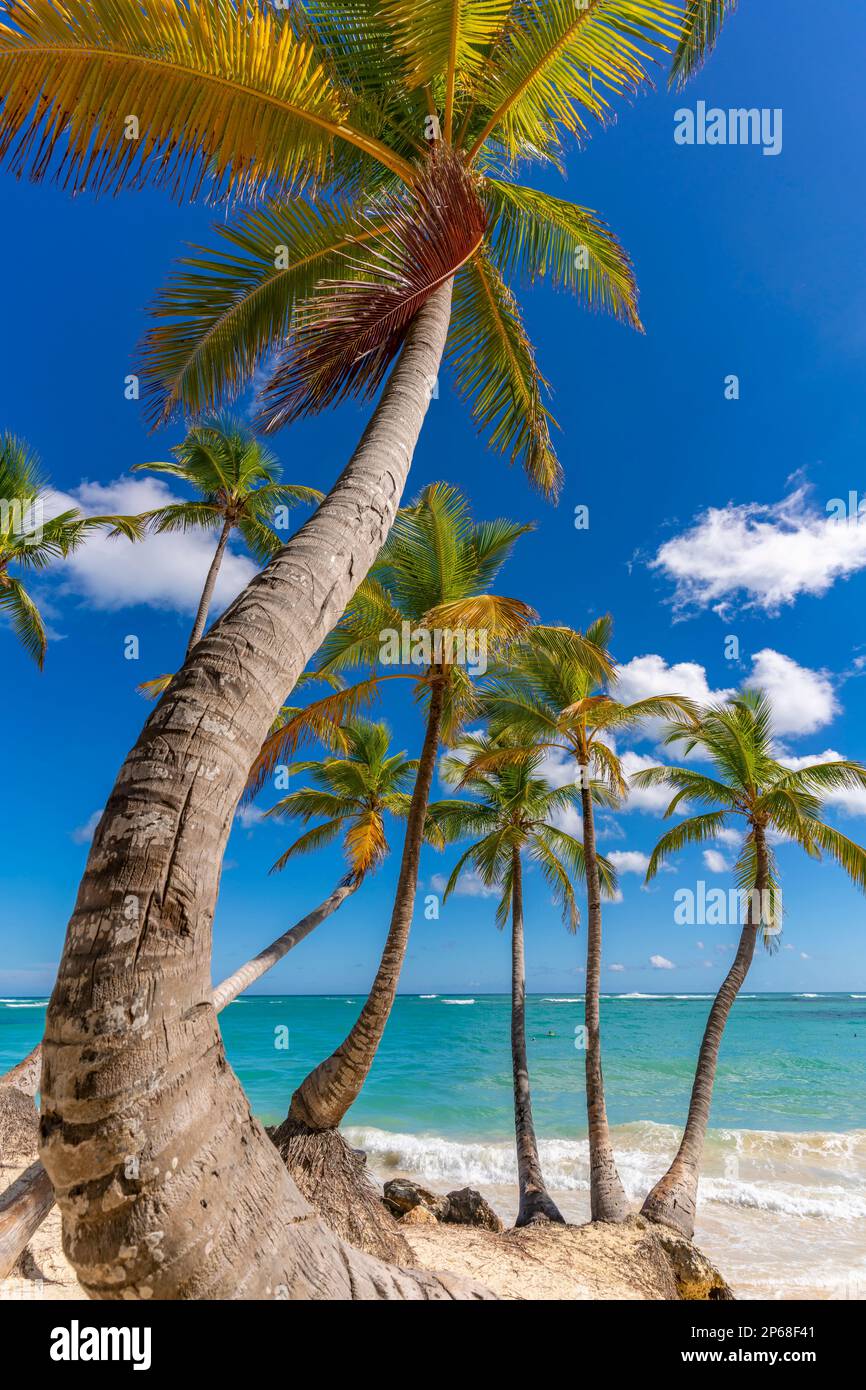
x=401, y=1196
x=467, y=1207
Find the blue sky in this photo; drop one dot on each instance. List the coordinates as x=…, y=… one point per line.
x=708, y=518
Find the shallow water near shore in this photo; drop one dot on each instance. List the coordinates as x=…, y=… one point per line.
x=783, y=1197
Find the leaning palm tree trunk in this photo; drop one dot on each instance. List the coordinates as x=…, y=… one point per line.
x=168, y=1186
x=24, y=1076
x=321, y=1101
x=209, y=586
x=673, y=1200
x=27, y=1202
x=247, y=974
x=23, y=1207
x=608, y=1201
x=534, y=1202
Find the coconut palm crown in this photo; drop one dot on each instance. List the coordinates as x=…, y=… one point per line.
x=352, y=794
x=378, y=141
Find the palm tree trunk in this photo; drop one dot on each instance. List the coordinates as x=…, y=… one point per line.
x=23, y=1207
x=608, y=1201
x=24, y=1076
x=204, y=602
x=247, y=974
x=168, y=1185
x=535, y=1204
x=321, y=1101
x=673, y=1200
x=26, y=1203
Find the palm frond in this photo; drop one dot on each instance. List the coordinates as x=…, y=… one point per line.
x=496, y=373
x=348, y=332
x=562, y=62
x=226, y=309
x=695, y=830
x=223, y=94
x=701, y=28
x=538, y=236
x=25, y=618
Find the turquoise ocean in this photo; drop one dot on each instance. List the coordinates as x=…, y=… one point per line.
x=783, y=1197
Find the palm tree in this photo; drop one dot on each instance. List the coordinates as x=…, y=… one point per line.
x=30, y=542
x=514, y=817
x=353, y=793
x=248, y=101
x=237, y=482
x=431, y=578
x=553, y=698
x=747, y=787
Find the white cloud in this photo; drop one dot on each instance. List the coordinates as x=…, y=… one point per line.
x=761, y=556
x=803, y=956
x=661, y=963
x=629, y=861
x=469, y=885
x=700, y=945
x=728, y=836
x=161, y=571
x=802, y=700
x=715, y=862
x=83, y=834
x=618, y=968
x=656, y=799
x=851, y=800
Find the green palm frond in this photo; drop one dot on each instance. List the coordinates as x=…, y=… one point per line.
x=19, y=608
x=701, y=27
x=226, y=309
x=693, y=831
x=181, y=518
x=496, y=373
x=311, y=840
x=562, y=63
x=538, y=236
x=847, y=853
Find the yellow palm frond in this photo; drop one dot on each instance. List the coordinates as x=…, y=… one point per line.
x=111, y=93
x=365, y=843
x=502, y=619
x=322, y=721
x=152, y=689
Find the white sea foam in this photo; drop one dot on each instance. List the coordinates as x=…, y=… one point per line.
x=23, y=1004
x=577, y=999
x=428, y=996
x=814, y=1175
x=636, y=995
x=458, y=1001
x=808, y=996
